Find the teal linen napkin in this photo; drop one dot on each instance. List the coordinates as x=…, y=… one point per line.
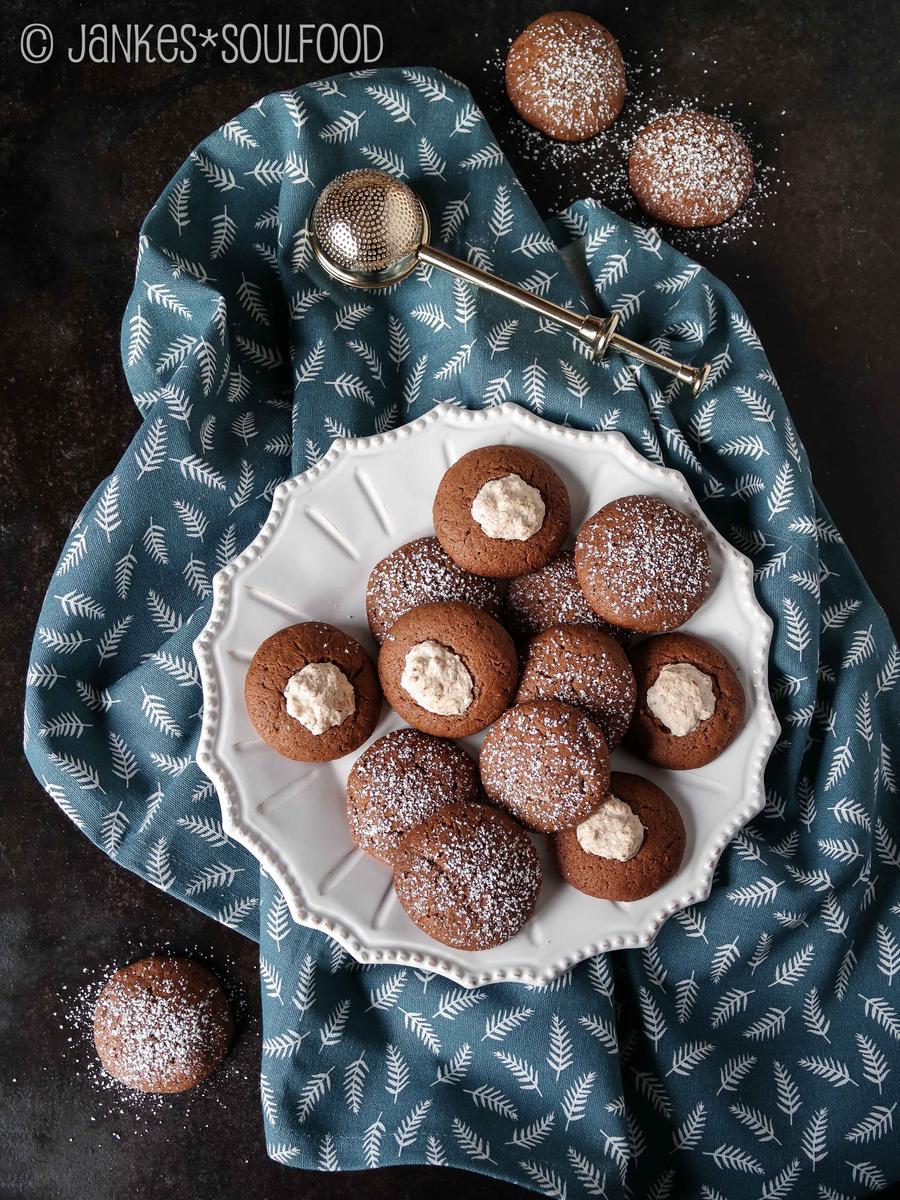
x=751, y=1051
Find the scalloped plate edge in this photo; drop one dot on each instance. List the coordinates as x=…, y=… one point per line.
x=267, y=854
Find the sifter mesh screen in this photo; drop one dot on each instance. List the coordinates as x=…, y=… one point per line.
x=366, y=221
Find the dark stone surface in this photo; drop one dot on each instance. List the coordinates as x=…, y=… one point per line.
x=85, y=151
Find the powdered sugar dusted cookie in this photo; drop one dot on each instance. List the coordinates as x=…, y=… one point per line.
x=469, y=876
x=690, y=169
x=643, y=564
x=422, y=572
x=400, y=781
x=162, y=1024
x=565, y=76
x=579, y=665
x=501, y=511
x=546, y=763
x=690, y=703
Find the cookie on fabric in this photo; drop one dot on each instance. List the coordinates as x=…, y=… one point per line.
x=400, y=781
x=548, y=597
x=448, y=669
x=312, y=692
x=162, y=1024
x=565, y=76
x=629, y=847
x=690, y=169
x=690, y=703
x=469, y=876
x=422, y=572
x=501, y=511
x=585, y=667
x=643, y=564
x=547, y=763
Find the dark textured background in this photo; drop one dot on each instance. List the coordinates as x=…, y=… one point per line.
x=85, y=151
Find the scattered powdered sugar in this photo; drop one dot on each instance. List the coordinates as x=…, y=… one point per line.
x=562, y=172
x=645, y=558
x=474, y=877
x=121, y=1112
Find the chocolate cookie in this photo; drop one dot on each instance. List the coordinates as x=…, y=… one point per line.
x=548, y=597
x=400, y=781
x=448, y=669
x=690, y=169
x=546, y=763
x=690, y=703
x=565, y=76
x=578, y=665
x=162, y=1024
x=654, y=863
x=643, y=564
x=312, y=693
x=501, y=511
x=422, y=572
x=469, y=876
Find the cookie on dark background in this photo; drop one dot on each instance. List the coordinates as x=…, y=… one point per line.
x=579, y=665
x=690, y=703
x=643, y=564
x=655, y=862
x=162, y=1024
x=400, y=781
x=690, y=169
x=546, y=763
x=565, y=76
x=501, y=511
x=338, y=698
x=448, y=669
x=469, y=876
x=422, y=572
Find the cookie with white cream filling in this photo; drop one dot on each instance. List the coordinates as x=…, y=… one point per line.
x=690, y=702
x=623, y=855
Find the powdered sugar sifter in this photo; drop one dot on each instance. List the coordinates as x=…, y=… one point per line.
x=369, y=229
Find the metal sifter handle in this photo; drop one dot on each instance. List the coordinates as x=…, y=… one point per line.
x=369, y=230
x=598, y=333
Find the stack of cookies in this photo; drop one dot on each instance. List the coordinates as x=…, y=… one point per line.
x=493, y=625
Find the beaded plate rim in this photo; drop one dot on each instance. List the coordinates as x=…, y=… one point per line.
x=236, y=822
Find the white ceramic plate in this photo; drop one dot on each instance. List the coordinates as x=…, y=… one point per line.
x=311, y=560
